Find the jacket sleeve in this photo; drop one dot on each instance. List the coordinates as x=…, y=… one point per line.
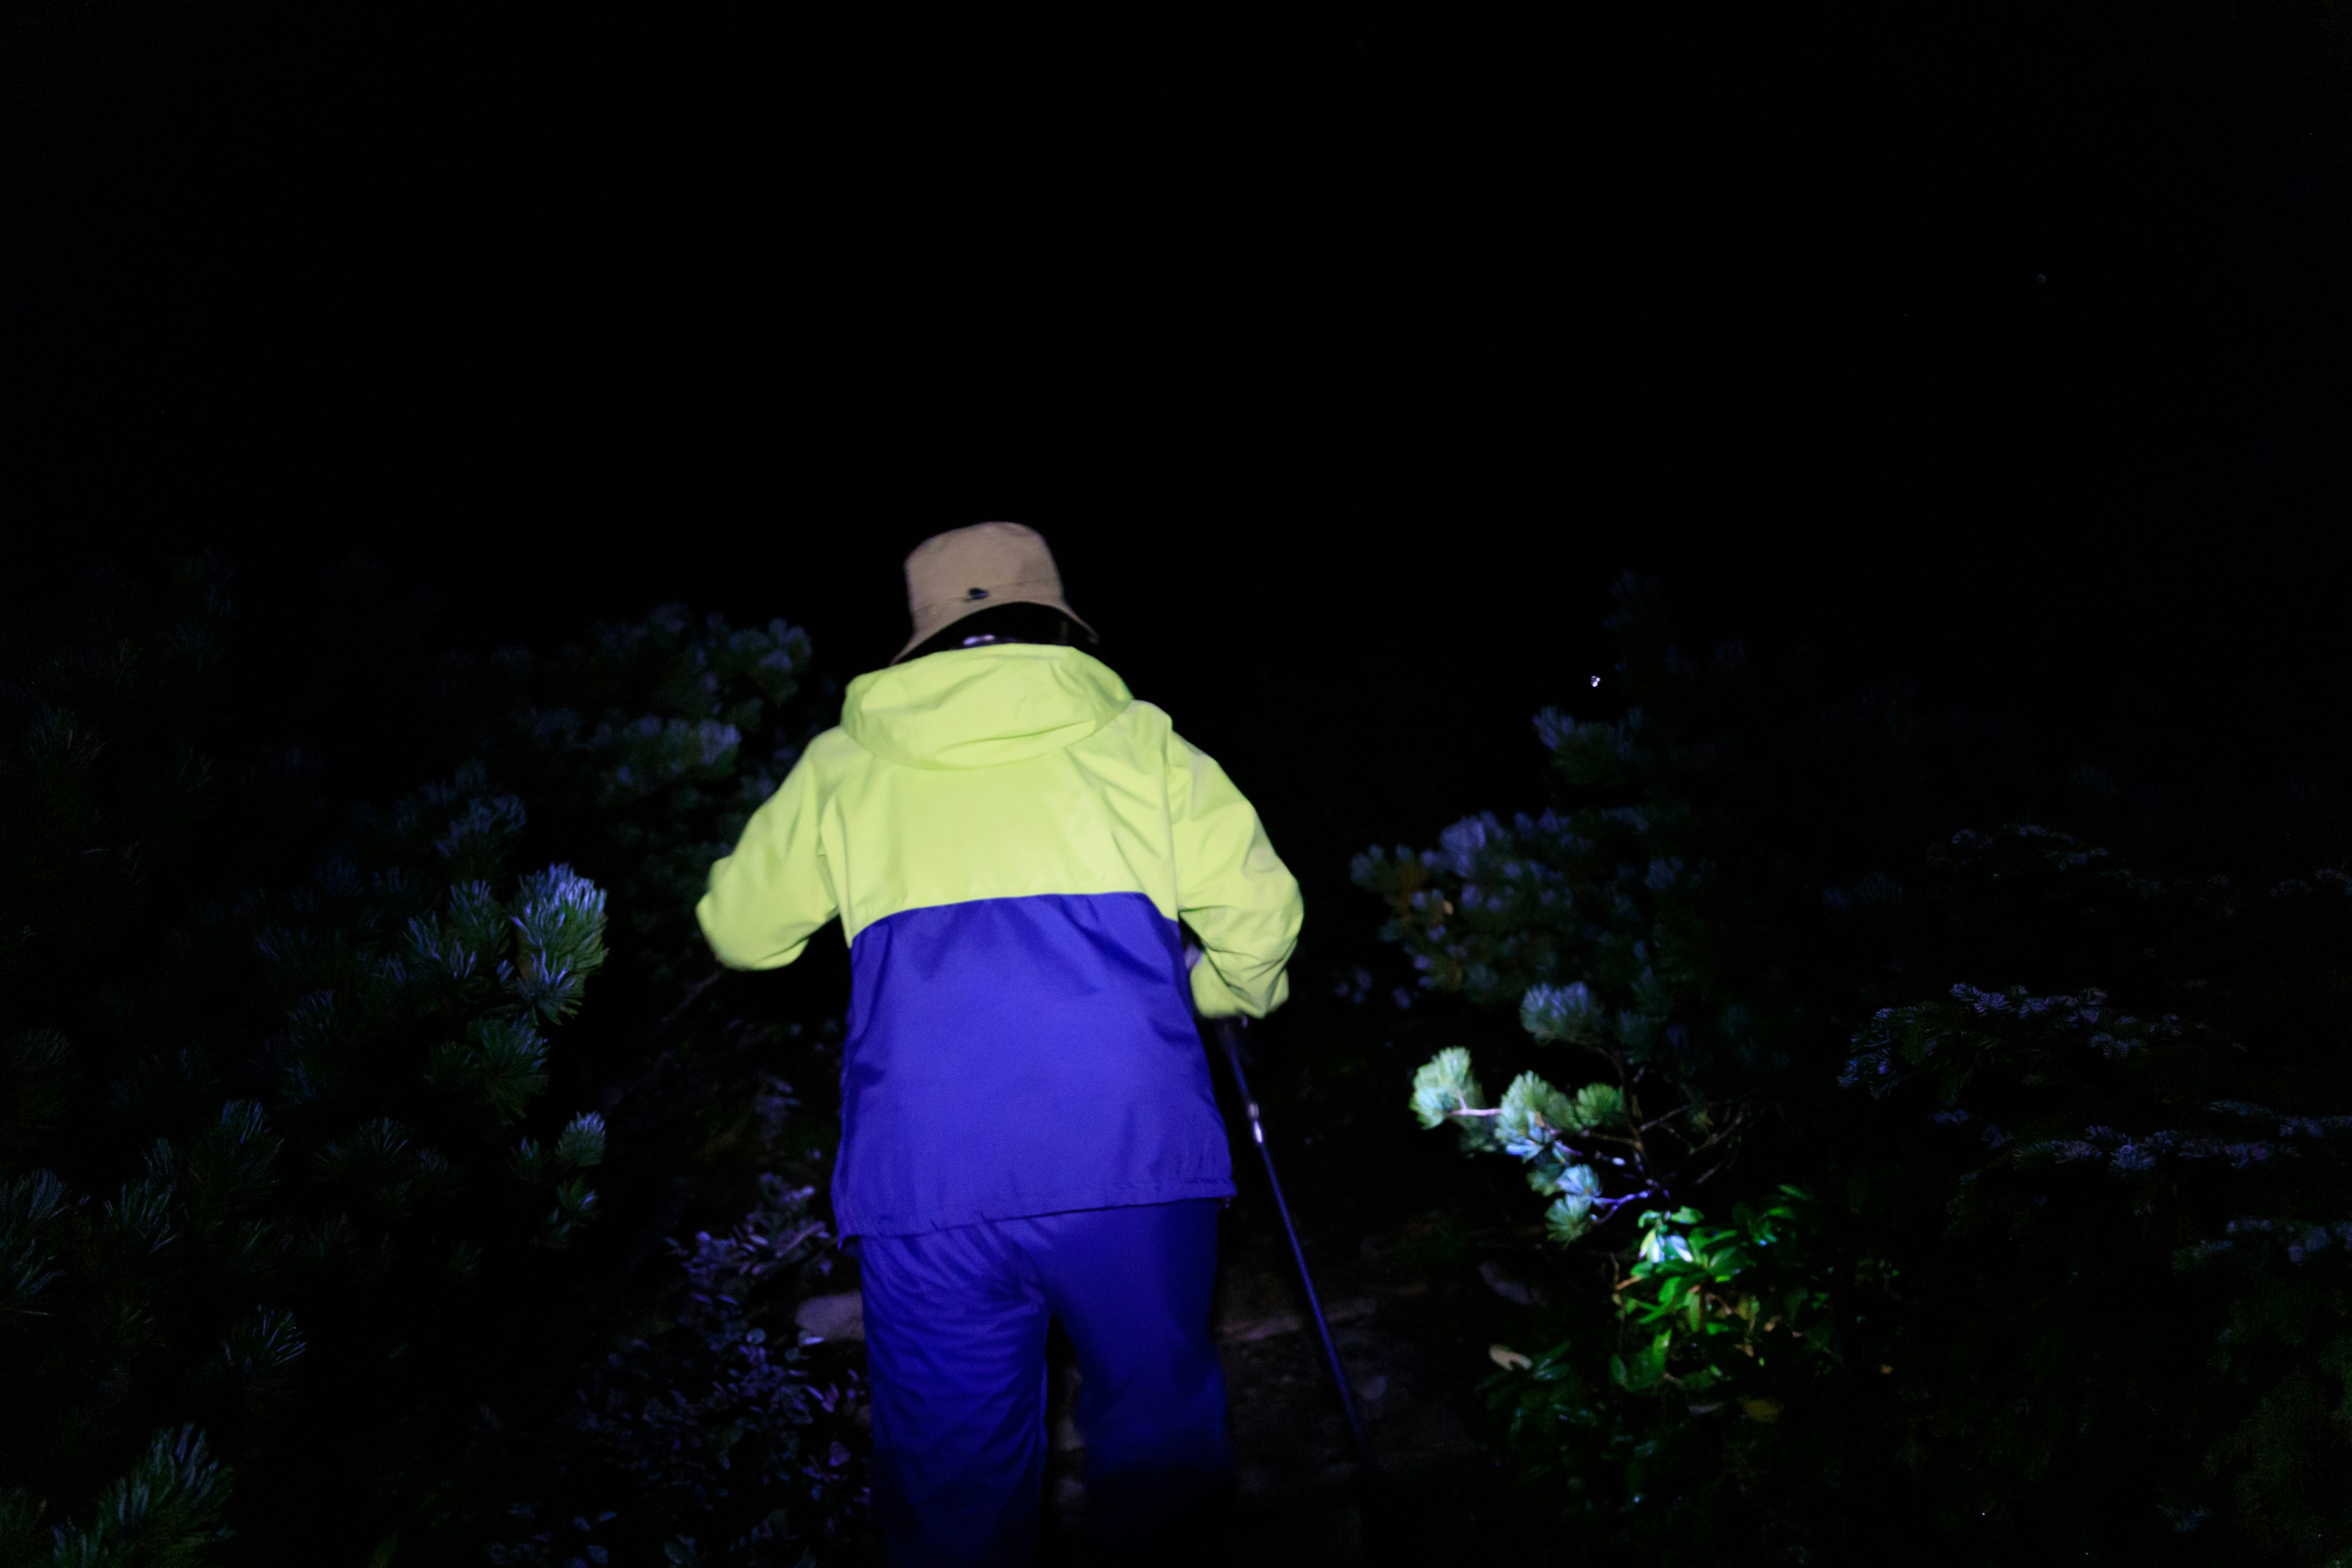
x=1231, y=888
x=773, y=894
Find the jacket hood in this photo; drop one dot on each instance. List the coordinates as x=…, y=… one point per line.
x=979, y=707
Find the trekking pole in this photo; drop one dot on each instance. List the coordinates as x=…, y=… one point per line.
x=1229, y=1035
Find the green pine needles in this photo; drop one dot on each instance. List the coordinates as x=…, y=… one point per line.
x=249, y=1129
x=559, y=924
x=1558, y=1134
x=166, y=1511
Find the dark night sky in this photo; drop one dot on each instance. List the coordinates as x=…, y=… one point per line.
x=1344, y=363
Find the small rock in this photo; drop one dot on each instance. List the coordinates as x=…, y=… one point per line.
x=1499, y=1280
x=1261, y=1328
x=837, y=1317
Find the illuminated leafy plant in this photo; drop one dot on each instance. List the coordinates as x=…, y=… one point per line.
x=1703, y=1313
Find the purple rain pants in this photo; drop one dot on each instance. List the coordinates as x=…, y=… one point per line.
x=955, y=1352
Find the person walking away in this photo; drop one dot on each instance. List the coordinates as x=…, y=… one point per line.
x=1011, y=841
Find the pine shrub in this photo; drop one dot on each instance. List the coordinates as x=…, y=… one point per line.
x=315, y=1094
x=1945, y=1194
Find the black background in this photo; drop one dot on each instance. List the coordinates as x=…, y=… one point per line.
x=1344, y=363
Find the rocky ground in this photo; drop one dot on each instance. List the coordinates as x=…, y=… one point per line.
x=1412, y=1321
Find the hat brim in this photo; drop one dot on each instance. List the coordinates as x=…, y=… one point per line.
x=926, y=634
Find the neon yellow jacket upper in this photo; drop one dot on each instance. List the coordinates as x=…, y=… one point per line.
x=1009, y=840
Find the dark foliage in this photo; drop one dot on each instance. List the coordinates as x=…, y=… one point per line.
x=2019, y=1264
x=294, y=1166
x=685, y=1446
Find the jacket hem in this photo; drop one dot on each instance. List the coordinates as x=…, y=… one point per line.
x=847, y=1225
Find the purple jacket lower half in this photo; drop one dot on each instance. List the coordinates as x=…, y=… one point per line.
x=1016, y=1056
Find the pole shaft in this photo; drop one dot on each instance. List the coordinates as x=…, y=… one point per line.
x=1226, y=1036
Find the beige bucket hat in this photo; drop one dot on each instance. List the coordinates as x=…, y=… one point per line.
x=967, y=570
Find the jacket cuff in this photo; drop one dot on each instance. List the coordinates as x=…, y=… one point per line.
x=1212, y=998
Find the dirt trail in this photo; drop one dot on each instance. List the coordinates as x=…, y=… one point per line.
x=1414, y=1354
